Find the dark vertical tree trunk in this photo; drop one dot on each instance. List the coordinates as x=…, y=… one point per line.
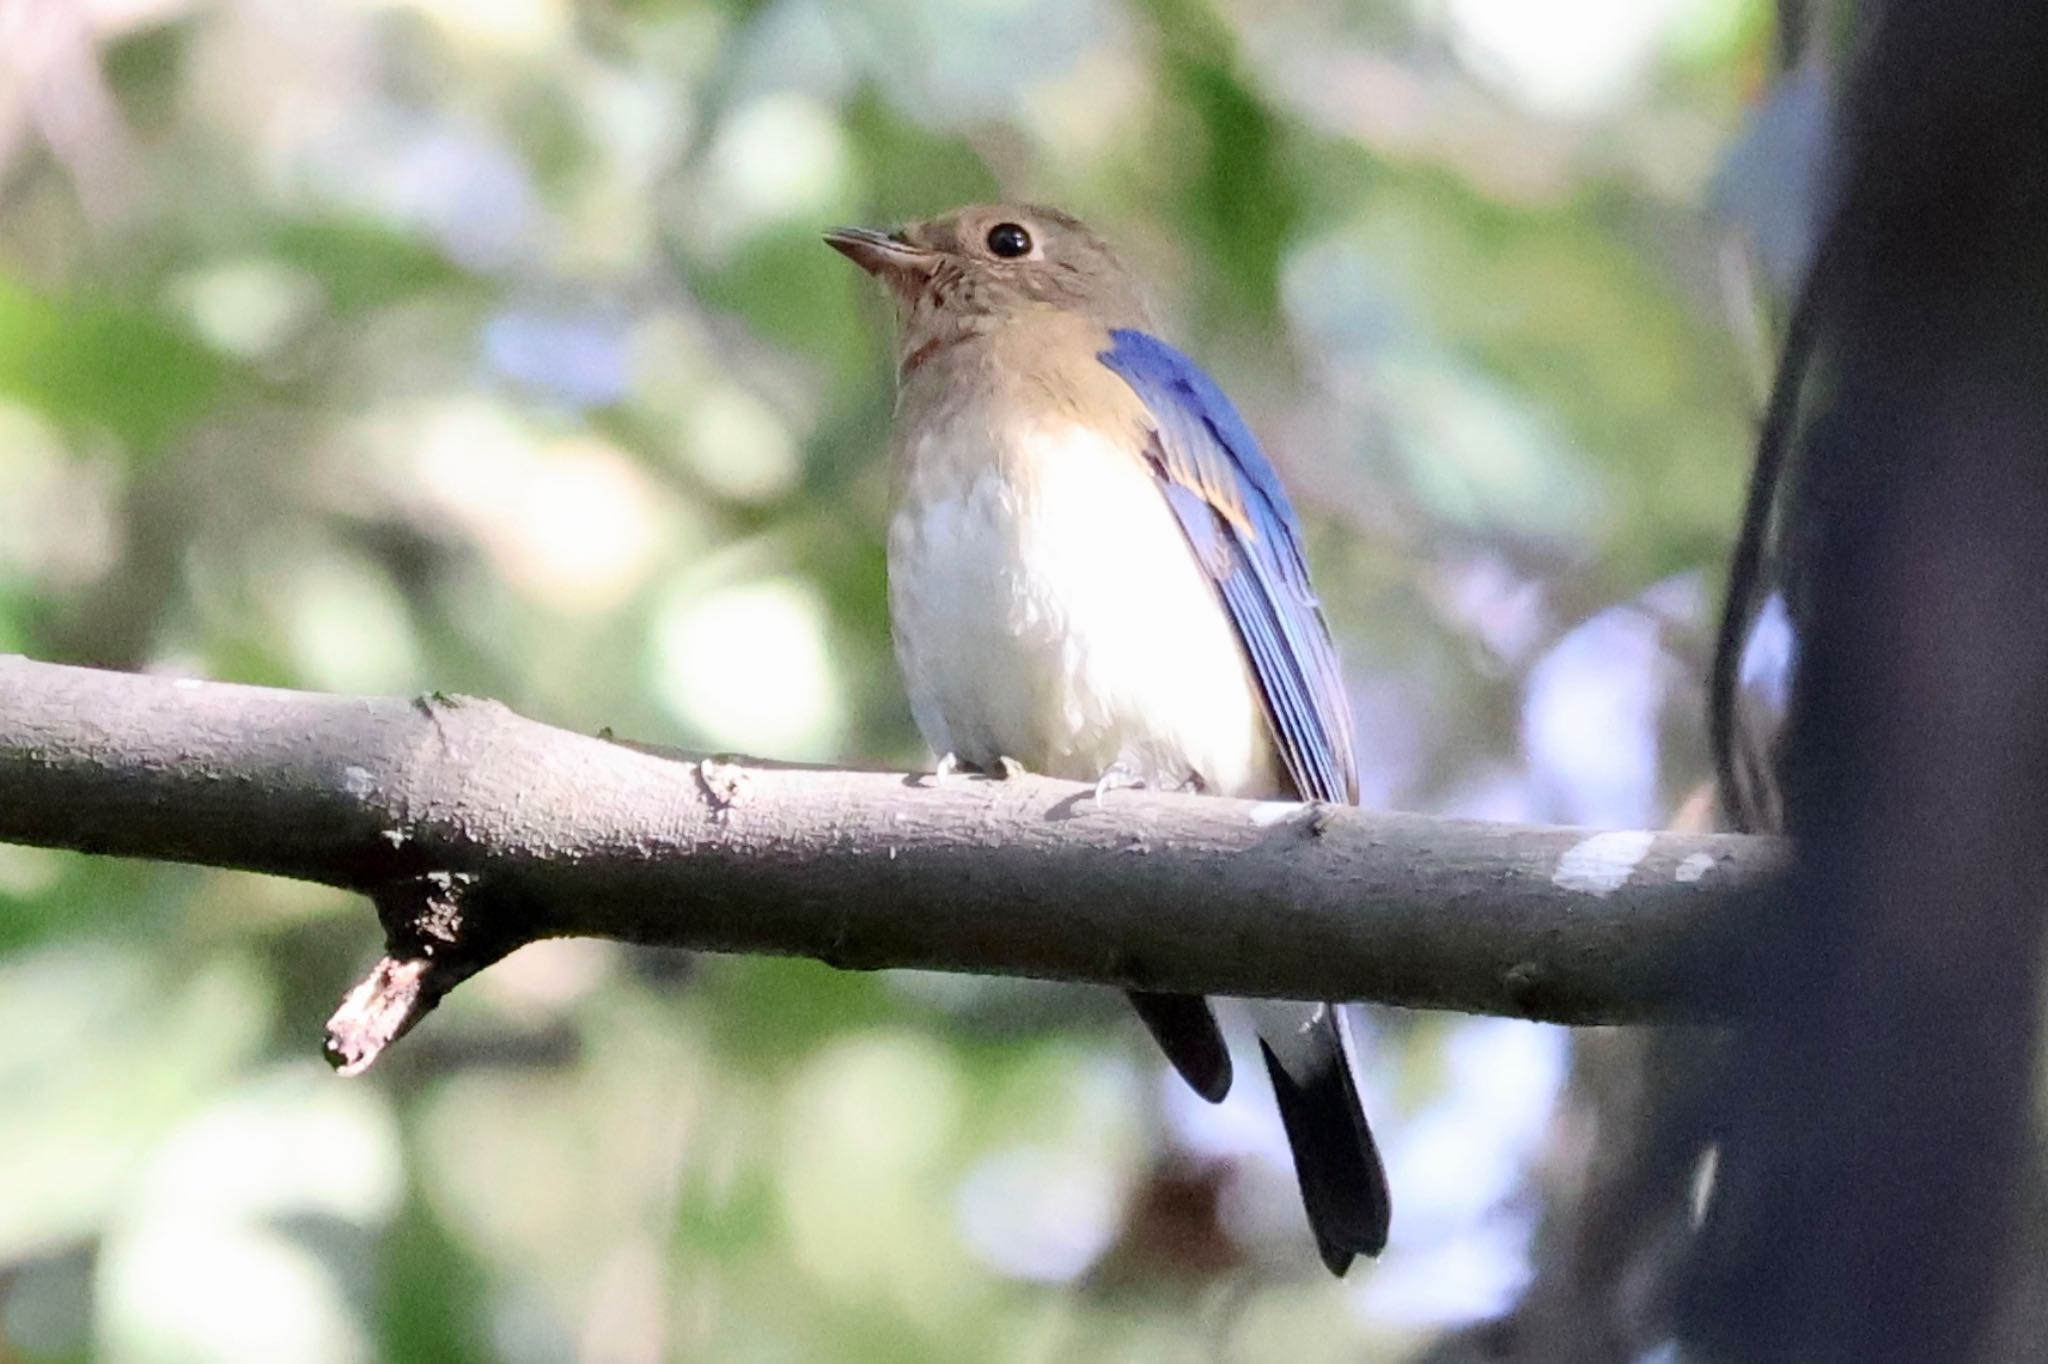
x=1877, y=1104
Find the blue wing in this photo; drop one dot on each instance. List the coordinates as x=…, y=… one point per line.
x=1240, y=525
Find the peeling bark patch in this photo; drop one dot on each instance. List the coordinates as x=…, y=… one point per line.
x=1695, y=866
x=1268, y=813
x=723, y=782
x=1601, y=865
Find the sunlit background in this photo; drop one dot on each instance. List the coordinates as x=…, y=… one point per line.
x=489, y=346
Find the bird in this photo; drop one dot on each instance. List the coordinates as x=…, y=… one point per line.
x=1094, y=574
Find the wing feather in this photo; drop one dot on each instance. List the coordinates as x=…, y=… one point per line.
x=1242, y=528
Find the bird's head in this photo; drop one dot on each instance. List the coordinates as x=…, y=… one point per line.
x=969, y=271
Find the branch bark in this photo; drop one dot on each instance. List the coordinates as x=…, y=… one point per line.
x=475, y=830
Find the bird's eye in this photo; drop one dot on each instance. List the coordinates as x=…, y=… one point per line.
x=1009, y=240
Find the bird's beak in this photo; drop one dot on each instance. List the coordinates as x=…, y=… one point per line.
x=885, y=255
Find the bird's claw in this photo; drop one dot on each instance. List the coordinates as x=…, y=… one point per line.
x=1120, y=776
x=951, y=769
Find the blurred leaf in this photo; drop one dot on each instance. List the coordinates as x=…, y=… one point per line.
x=738, y=1215
x=1242, y=202
x=910, y=171
x=145, y=67
x=765, y=1013
x=88, y=361
x=1557, y=305
x=83, y=898
x=794, y=290
x=101, y=1049
x=13, y=607
x=362, y=265
x=431, y=1292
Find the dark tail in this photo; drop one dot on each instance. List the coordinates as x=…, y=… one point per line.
x=1186, y=1031
x=1343, y=1184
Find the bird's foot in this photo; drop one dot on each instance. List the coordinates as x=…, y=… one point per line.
x=1119, y=776
x=952, y=768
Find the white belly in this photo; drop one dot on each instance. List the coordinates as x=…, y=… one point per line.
x=1059, y=618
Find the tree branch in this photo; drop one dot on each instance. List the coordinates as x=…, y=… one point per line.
x=474, y=830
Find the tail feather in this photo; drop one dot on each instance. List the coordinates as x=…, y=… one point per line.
x=1343, y=1183
x=1185, y=1028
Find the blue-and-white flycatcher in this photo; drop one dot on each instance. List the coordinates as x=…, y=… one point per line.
x=1094, y=574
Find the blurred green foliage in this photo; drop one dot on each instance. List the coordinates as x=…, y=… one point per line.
x=488, y=346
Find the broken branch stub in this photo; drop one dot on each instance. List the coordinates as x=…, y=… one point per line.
x=434, y=939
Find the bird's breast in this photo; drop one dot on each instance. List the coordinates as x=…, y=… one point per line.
x=1047, y=608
